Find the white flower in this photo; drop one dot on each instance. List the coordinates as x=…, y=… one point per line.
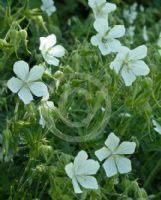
x=130, y=64
x=81, y=170
x=27, y=82
x=101, y=8
x=50, y=51
x=113, y=153
x=131, y=31
x=106, y=38
x=145, y=33
x=48, y=7
x=157, y=126
x=47, y=105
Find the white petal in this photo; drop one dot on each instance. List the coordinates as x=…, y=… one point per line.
x=138, y=53
x=110, y=7
x=110, y=167
x=126, y=148
x=95, y=40
x=36, y=73
x=47, y=42
x=57, y=51
x=102, y=153
x=114, y=45
x=14, y=84
x=123, y=164
x=118, y=61
x=128, y=76
x=21, y=69
x=39, y=89
x=112, y=142
x=104, y=48
x=140, y=68
x=69, y=169
x=89, y=167
x=101, y=26
x=50, y=59
x=80, y=161
x=94, y=3
x=88, y=182
x=117, y=31
x=77, y=189
x=25, y=95
x=157, y=126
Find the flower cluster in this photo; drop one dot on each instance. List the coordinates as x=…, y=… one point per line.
x=106, y=37
x=29, y=81
x=113, y=153
x=128, y=62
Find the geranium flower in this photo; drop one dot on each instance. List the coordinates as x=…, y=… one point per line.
x=113, y=153
x=105, y=39
x=81, y=170
x=130, y=64
x=157, y=126
x=27, y=82
x=101, y=8
x=48, y=7
x=50, y=51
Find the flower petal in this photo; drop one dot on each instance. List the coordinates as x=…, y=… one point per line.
x=118, y=61
x=80, y=161
x=110, y=7
x=112, y=142
x=36, y=73
x=114, y=45
x=88, y=182
x=117, y=31
x=138, y=53
x=25, y=95
x=95, y=40
x=69, y=169
x=95, y=3
x=14, y=84
x=128, y=76
x=39, y=89
x=140, y=68
x=76, y=187
x=57, y=51
x=123, y=164
x=126, y=148
x=21, y=69
x=157, y=126
x=102, y=153
x=89, y=167
x=50, y=59
x=104, y=48
x=101, y=26
x=47, y=42
x=110, y=167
